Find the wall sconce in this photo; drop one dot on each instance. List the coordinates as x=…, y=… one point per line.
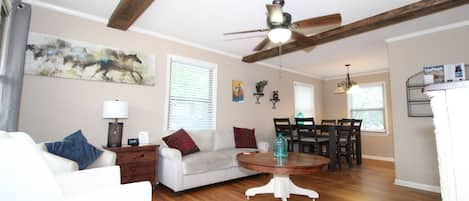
x=275, y=98
x=258, y=96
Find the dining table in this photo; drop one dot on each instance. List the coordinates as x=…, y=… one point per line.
x=332, y=135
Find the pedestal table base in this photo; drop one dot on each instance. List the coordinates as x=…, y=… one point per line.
x=281, y=186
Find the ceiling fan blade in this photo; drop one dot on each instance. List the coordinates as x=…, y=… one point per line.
x=249, y=31
x=262, y=44
x=275, y=13
x=318, y=21
x=302, y=38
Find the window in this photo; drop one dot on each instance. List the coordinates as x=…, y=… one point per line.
x=304, y=99
x=192, y=94
x=368, y=104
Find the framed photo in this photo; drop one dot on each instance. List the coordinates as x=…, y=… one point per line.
x=237, y=89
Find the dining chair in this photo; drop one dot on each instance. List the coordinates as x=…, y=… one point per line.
x=357, y=124
x=328, y=122
x=307, y=136
x=344, y=142
x=283, y=126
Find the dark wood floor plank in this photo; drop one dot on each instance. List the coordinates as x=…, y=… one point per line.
x=372, y=181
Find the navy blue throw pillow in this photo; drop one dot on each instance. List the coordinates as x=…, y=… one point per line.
x=76, y=148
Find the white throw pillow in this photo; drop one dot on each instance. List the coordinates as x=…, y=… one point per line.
x=224, y=139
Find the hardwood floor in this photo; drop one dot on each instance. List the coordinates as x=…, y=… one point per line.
x=372, y=181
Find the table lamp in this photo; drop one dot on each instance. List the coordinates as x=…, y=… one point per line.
x=115, y=110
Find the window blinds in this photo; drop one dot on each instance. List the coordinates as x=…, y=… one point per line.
x=368, y=105
x=192, y=95
x=304, y=99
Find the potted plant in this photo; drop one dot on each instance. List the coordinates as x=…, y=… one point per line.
x=260, y=86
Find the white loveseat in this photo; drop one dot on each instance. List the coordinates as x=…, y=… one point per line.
x=26, y=176
x=216, y=161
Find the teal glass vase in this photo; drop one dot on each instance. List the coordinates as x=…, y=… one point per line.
x=300, y=115
x=280, y=147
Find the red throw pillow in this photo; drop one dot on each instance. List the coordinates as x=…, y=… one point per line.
x=181, y=141
x=245, y=138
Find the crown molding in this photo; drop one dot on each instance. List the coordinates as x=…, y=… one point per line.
x=359, y=74
x=428, y=31
x=159, y=35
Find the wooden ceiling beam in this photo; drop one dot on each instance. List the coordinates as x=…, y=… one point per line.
x=398, y=15
x=127, y=12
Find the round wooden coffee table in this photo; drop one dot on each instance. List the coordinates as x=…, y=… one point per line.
x=281, y=185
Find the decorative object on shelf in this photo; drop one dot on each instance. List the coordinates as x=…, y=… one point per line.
x=275, y=98
x=280, y=147
x=260, y=90
x=237, y=91
x=433, y=74
x=348, y=85
x=260, y=86
x=115, y=110
x=455, y=72
x=57, y=57
x=418, y=104
x=132, y=141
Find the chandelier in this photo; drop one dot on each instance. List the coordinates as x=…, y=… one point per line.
x=348, y=85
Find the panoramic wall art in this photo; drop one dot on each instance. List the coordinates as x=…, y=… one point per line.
x=55, y=57
x=238, y=91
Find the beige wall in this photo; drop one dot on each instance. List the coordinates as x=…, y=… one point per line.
x=335, y=107
x=414, y=141
x=51, y=108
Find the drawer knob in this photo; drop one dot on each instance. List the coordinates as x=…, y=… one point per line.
x=142, y=155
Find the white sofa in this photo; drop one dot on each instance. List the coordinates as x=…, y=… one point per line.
x=26, y=176
x=216, y=161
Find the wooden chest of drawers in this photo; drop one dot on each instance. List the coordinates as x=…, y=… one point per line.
x=137, y=163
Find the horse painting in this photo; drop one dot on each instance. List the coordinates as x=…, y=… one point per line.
x=54, y=57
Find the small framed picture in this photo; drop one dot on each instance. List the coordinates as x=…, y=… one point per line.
x=434, y=74
x=455, y=72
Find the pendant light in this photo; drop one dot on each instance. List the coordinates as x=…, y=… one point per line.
x=348, y=85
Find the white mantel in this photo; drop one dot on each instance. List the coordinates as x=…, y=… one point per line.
x=450, y=106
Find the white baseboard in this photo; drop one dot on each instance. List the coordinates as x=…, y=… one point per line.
x=418, y=186
x=379, y=158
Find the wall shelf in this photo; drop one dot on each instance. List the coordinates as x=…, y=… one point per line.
x=418, y=104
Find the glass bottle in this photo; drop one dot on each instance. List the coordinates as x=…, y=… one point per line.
x=280, y=147
x=300, y=115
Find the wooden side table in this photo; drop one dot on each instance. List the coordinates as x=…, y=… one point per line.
x=137, y=163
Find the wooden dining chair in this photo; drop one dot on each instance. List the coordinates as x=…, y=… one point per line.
x=329, y=122
x=344, y=142
x=357, y=124
x=307, y=136
x=283, y=126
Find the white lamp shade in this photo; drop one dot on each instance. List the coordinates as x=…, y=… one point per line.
x=279, y=35
x=115, y=110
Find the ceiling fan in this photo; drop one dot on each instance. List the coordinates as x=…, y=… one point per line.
x=281, y=28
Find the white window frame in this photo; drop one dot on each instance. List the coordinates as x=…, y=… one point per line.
x=384, y=132
x=313, y=93
x=196, y=62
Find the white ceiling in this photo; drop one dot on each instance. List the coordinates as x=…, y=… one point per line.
x=203, y=22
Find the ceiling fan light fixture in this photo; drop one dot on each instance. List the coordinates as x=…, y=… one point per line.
x=279, y=35
x=276, y=17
